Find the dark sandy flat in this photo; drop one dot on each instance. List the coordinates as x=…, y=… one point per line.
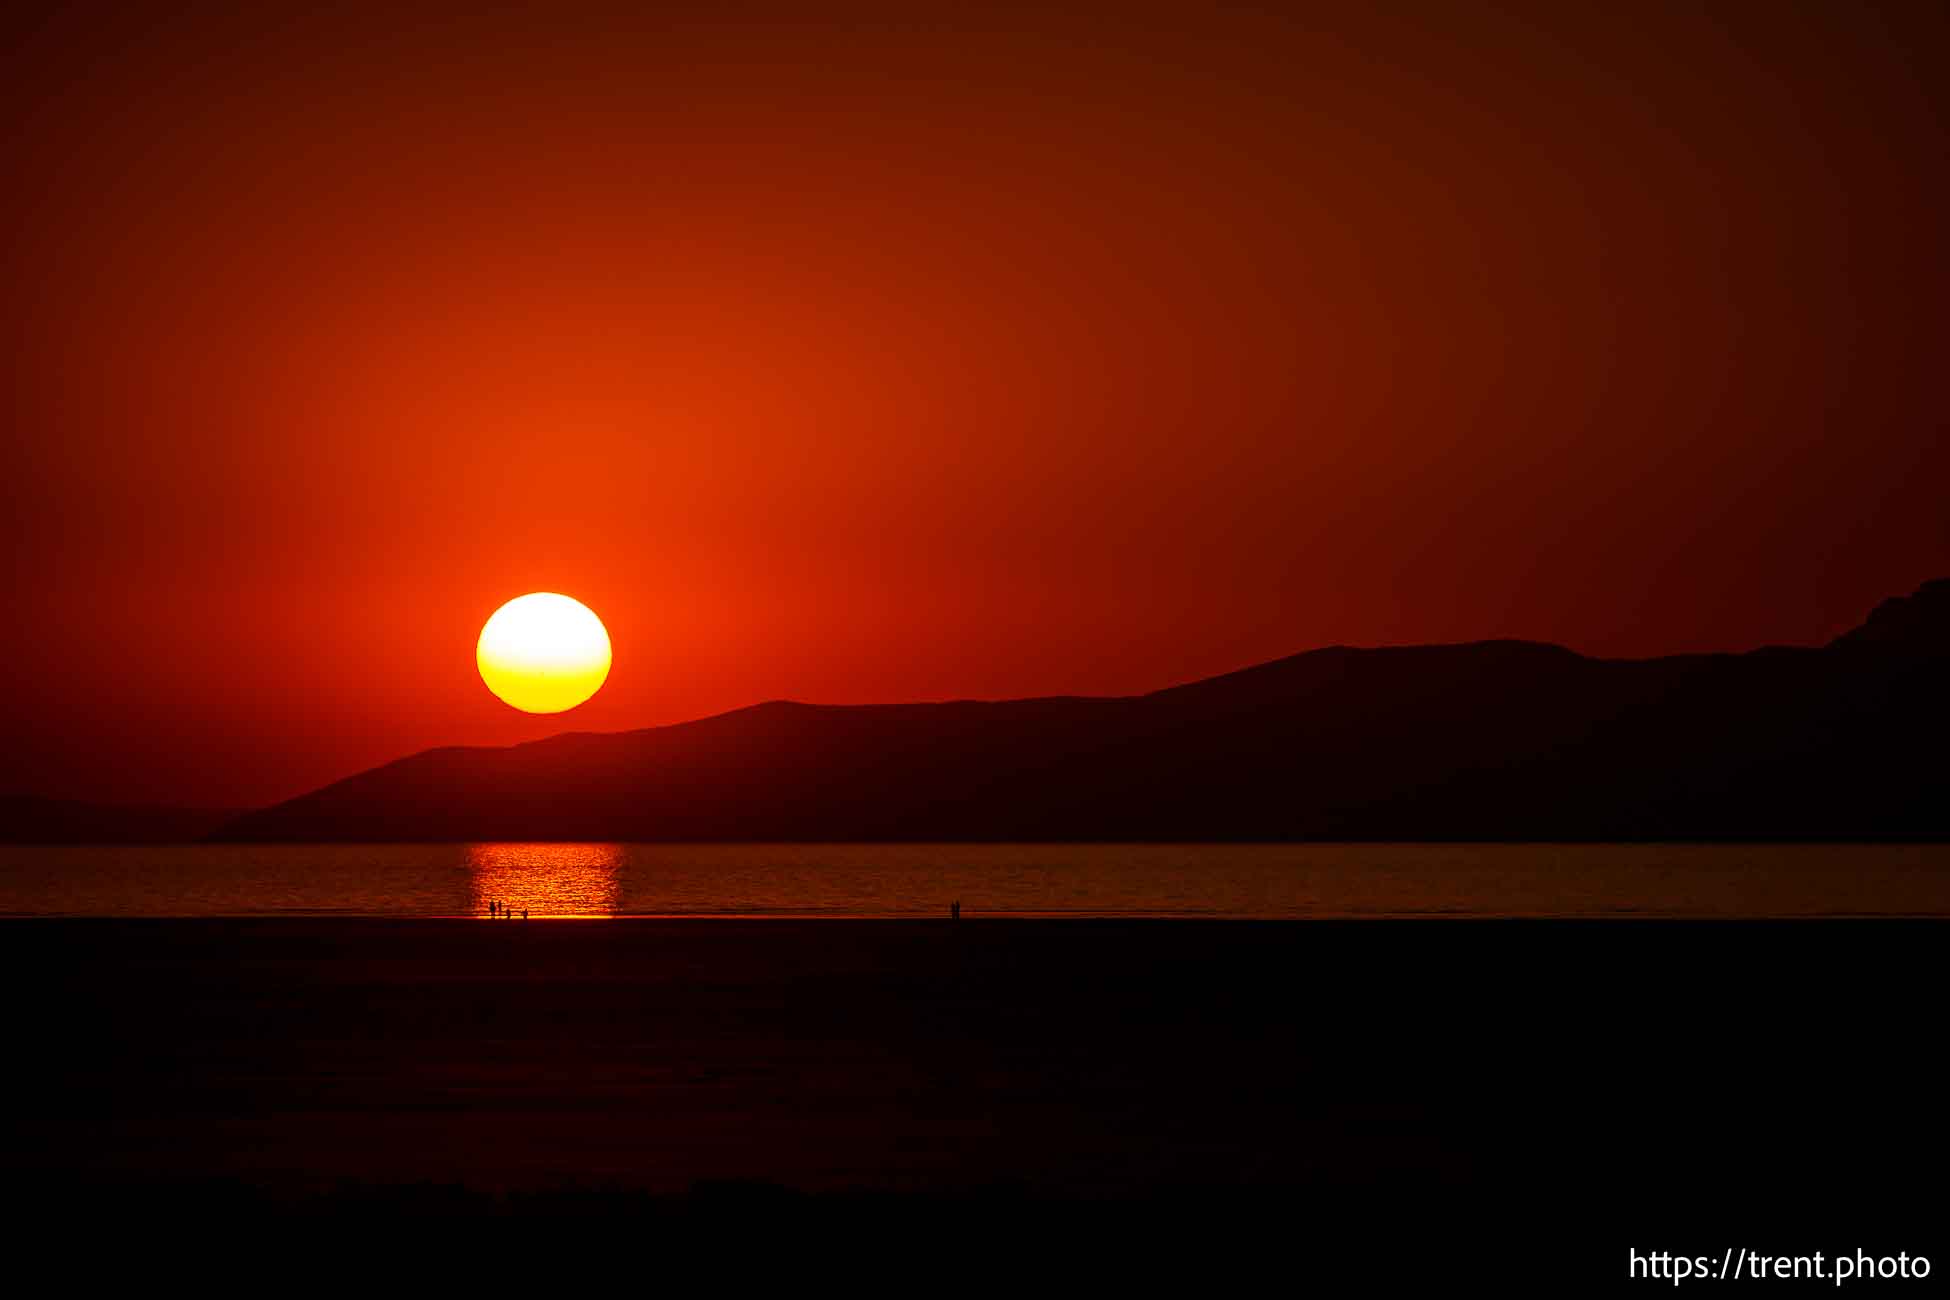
x=1490, y=1068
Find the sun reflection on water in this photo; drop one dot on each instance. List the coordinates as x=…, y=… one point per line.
x=558, y=880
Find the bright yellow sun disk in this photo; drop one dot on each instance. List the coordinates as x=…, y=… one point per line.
x=543, y=653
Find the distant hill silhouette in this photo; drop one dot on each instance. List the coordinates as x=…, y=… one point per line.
x=25, y=819
x=1917, y=624
x=1494, y=740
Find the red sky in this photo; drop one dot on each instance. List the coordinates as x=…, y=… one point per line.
x=865, y=356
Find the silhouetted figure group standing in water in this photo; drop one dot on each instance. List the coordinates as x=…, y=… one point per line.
x=501, y=909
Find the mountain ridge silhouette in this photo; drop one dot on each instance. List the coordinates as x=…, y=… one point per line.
x=1489, y=740
x=31, y=819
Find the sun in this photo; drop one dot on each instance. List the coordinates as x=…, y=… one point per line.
x=543, y=653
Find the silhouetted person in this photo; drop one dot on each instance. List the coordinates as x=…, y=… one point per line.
x=491, y=906
x=954, y=910
x=524, y=914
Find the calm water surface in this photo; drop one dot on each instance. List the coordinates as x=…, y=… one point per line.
x=1284, y=880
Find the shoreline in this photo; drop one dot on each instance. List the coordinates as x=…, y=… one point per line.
x=1130, y=1059
x=1011, y=918
x=1337, y=1093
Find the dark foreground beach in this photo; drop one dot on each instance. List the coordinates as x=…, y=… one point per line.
x=1559, y=1086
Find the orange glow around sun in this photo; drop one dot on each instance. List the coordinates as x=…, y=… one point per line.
x=543, y=653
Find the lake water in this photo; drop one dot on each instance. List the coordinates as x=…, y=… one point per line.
x=1104, y=880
